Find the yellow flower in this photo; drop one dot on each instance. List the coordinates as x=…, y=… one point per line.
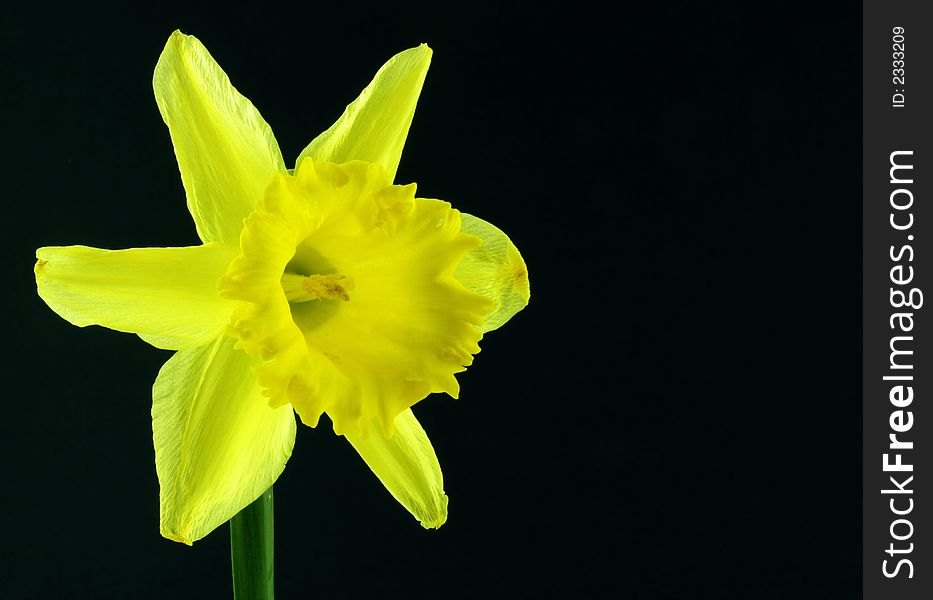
x=322, y=289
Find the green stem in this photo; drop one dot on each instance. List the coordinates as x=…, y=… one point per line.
x=251, y=546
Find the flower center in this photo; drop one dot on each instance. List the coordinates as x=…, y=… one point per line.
x=304, y=288
x=410, y=326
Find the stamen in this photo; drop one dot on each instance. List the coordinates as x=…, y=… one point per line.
x=303, y=288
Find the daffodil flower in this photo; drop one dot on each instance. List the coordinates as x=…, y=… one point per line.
x=325, y=288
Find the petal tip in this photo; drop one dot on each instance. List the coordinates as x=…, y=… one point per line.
x=440, y=517
x=39, y=269
x=176, y=537
x=175, y=40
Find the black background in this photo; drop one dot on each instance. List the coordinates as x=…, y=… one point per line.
x=676, y=414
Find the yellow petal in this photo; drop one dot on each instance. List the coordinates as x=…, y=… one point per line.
x=494, y=270
x=226, y=152
x=166, y=295
x=380, y=322
x=407, y=465
x=374, y=126
x=218, y=444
